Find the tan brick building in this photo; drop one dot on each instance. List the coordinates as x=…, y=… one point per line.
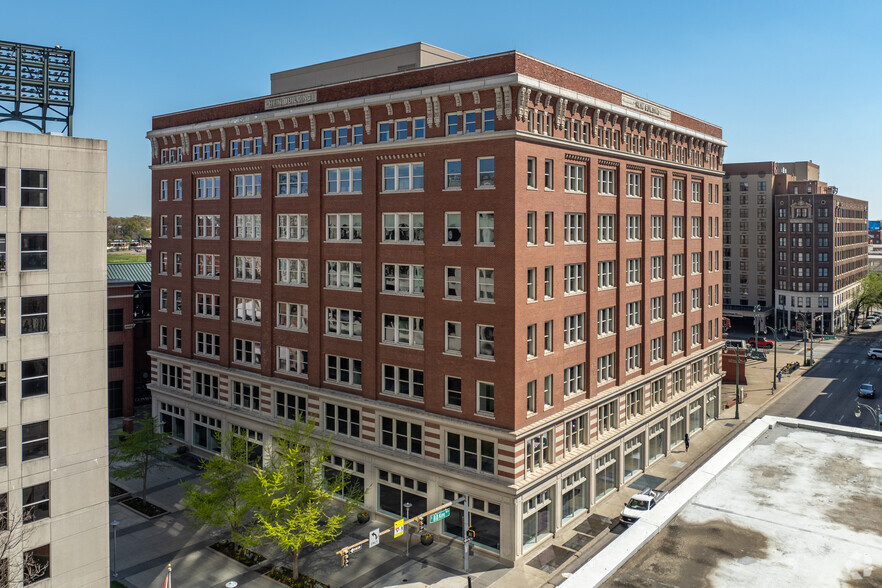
x=485, y=275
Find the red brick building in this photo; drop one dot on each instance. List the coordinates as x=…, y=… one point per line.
x=485, y=275
x=128, y=336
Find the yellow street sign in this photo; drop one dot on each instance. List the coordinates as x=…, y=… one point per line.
x=399, y=528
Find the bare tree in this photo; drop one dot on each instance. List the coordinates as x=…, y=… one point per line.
x=19, y=567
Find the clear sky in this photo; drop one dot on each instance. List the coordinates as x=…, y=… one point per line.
x=786, y=80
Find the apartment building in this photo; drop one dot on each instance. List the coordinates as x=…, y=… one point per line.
x=791, y=245
x=53, y=407
x=482, y=275
x=128, y=336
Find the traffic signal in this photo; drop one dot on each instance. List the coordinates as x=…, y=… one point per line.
x=345, y=556
x=470, y=533
x=421, y=524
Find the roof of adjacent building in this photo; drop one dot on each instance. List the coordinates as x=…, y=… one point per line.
x=787, y=502
x=138, y=271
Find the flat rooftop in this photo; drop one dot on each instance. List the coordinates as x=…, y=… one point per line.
x=792, y=504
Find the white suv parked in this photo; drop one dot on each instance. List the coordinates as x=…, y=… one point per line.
x=874, y=353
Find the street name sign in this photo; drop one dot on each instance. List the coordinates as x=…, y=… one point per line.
x=440, y=515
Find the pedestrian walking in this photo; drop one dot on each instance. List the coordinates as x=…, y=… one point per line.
x=686, y=440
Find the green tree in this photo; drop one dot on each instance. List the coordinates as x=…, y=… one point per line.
x=868, y=295
x=133, y=455
x=295, y=505
x=220, y=500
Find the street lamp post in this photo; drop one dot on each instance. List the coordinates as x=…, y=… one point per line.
x=775, y=360
x=407, y=506
x=737, y=382
x=873, y=411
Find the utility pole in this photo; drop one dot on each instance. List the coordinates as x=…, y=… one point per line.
x=775, y=360
x=737, y=382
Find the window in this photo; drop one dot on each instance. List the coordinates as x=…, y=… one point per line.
x=247, y=352
x=549, y=282
x=343, y=420
x=531, y=397
x=291, y=406
x=677, y=265
x=246, y=395
x=606, y=182
x=453, y=338
x=206, y=385
x=549, y=337
x=206, y=431
x=246, y=268
x=485, y=230
x=574, y=228
x=549, y=174
x=35, y=504
x=696, y=191
x=607, y=417
x=471, y=453
x=246, y=186
x=403, y=381
x=486, y=397
x=343, y=180
x=163, y=186
x=574, y=278
x=114, y=319
x=178, y=337
x=453, y=224
x=537, y=452
x=343, y=227
x=246, y=310
x=657, y=308
x=2, y=252
x=292, y=183
x=178, y=264
x=574, y=178
x=632, y=227
x=677, y=303
x=485, y=285
x=403, y=330
x=39, y=563
x=343, y=370
x=453, y=174
x=677, y=342
x=401, y=435
x=403, y=228
x=632, y=314
x=574, y=379
x=207, y=226
x=453, y=282
x=677, y=230
x=179, y=226
x=696, y=298
x=606, y=368
x=606, y=228
x=292, y=227
x=342, y=322
x=657, y=265
x=531, y=172
x=343, y=274
x=246, y=226
x=633, y=271
x=34, y=251
x=34, y=314
x=696, y=263
x=574, y=329
x=656, y=349
x=549, y=228
x=402, y=278
x=453, y=392
x=34, y=378
x=531, y=284
x=575, y=433
x=403, y=177
x=289, y=272
x=208, y=188
x=696, y=227
x=531, y=228
x=531, y=341
x=485, y=347
x=207, y=265
x=658, y=190
x=632, y=358
x=658, y=227
x=606, y=274
x=34, y=440
x=606, y=321
x=114, y=356
x=633, y=188
x=34, y=188
x=677, y=190
x=291, y=316
x=696, y=335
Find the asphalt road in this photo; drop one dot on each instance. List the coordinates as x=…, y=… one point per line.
x=828, y=392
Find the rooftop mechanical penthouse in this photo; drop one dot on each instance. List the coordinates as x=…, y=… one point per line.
x=486, y=275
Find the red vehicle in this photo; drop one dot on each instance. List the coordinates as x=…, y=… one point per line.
x=761, y=342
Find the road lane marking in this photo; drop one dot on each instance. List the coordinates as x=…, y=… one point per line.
x=813, y=414
x=840, y=419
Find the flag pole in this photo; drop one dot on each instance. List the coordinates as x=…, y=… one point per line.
x=168, y=581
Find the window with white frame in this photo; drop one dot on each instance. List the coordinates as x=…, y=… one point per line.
x=658, y=189
x=207, y=265
x=453, y=228
x=207, y=305
x=246, y=226
x=677, y=303
x=342, y=420
x=343, y=227
x=291, y=315
x=606, y=182
x=678, y=381
x=677, y=342
x=696, y=263
x=403, y=227
x=179, y=263
x=453, y=337
x=677, y=265
x=606, y=321
x=696, y=298
x=658, y=267
x=486, y=397
x=453, y=174
x=485, y=346
x=634, y=403
x=208, y=188
x=163, y=225
x=345, y=275
x=656, y=349
x=179, y=226
x=549, y=174
x=606, y=228
x=548, y=343
x=207, y=226
x=632, y=358
x=574, y=379
x=246, y=268
x=207, y=385
x=345, y=371
x=607, y=417
x=343, y=322
x=677, y=190
x=549, y=282
x=163, y=262
x=485, y=234
x=549, y=228
x=453, y=282
x=677, y=227
x=469, y=452
x=574, y=329
x=401, y=435
x=292, y=272
x=247, y=352
x=635, y=182
x=403, y=381
x=246, y=310
x=531, y=172
x=403, y=330
x=633, y=227
x=574, y=278
x=290, y=360
x=658, y=227
x=485, y=291
x=657, y=304
x=453, y=393
x=632, y=273
x=548, y=390
x=574, y=227
x=632, y=314
x=606, y=368
x=294, y=183
x=606, y=274
x=163, y=299
x=246, y=186
x=163, y=187
x=531, y=284
x=171, y=376
x=246, y=395
x=537, y=451
x=292, y=227
x=696, y=227
x=575, y=433
x=403, y=177
x=343, y=180
x=696, y=335
x=696, y=191
x=574, y=178
x=659, y=393
x=402, y=278
x=486, y=172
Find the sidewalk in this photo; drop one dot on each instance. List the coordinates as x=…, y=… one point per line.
x=146, y=547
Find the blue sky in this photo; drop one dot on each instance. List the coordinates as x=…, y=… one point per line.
x=786, y=80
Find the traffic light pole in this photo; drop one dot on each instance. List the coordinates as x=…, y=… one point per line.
x=466, y=536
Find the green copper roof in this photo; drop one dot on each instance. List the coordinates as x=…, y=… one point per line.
x=138, y=271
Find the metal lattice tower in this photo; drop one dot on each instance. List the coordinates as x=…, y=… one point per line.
x=37, y=85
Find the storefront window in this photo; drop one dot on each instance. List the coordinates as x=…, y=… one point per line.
x=606, y=475
x=574, y=494
x=695, y=411
x=678, y=427
x=485, y=520
x=633, y=462
x=394, y=490
x=537, y=518
x=711, y=405
x=657, y=441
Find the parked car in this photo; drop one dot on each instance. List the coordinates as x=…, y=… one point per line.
x=867, y=391
x=640, y=504
x=874, y=352
x=866, y=325
x=761, y=342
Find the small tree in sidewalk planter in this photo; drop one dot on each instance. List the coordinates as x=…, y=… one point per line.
x=294, y=498
x=133, y=455
x=221, y=499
